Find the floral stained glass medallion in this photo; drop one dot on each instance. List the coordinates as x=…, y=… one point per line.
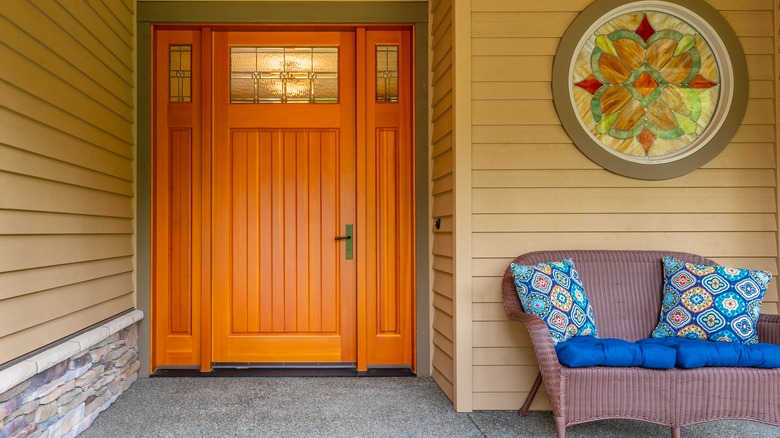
x=649, y=83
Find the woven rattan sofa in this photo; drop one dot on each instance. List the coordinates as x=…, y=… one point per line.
x=625, y=290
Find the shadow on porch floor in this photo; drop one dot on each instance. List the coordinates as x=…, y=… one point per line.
x=342, y=407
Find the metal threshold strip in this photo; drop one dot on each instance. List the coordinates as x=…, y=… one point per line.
x=285, y=370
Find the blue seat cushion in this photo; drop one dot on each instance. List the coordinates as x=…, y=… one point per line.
x=584, y=351
x=665, y=353
x=694, y=353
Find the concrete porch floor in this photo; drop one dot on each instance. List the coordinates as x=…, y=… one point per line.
x=343, y=407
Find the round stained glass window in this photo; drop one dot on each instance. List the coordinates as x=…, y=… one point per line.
x=650, y=89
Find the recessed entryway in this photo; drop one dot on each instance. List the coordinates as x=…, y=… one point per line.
x=283, y=197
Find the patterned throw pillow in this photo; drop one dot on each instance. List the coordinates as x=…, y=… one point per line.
x=553, y=291
x=710, y=302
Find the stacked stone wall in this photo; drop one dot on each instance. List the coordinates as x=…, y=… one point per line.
x=65, y=399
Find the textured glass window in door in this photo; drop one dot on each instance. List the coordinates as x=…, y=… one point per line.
x=180, y=73
x=284, y=74
x=387, y=73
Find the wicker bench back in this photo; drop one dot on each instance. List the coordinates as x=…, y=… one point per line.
x=624, y=287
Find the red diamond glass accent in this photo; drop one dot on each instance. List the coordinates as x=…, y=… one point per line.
x=645, y=29
x=646, y=138
x=645, y=84
x=590, y=84
x=699, y=83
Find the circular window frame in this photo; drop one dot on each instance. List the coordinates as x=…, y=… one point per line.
x=734, y=87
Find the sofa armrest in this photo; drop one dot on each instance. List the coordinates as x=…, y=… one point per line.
x=769, y=328
x=542, y=342
x=544, y=348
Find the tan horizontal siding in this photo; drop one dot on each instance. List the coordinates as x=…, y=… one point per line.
x=20, y=342
x=21, y=161
x=625, y=200
x=624, y=222
x=35, y=251
x=532, y=155
x=116, y=39
x=442, y=202
x=710, y=177
x=34, y=222
x=443, y=287
x=107, y=94
x=49, y=195
x=554, y=134
x=529, y=24
x=717, y=244
x=35, y=67
x=71, y=298
x=49, y=87
x=578, y=5
x=487, y=378
x=30, y=281
x=78, y=125
x=528, y=5
x=504, y=356
x=492, y=400
x=443, y=185
x=66, y=169
x=51, y=25
x=33, y=137
x=532, y=189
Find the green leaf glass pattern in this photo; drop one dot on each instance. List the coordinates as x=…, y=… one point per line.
x=664, y=64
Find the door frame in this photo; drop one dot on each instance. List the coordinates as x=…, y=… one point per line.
x=292, y=13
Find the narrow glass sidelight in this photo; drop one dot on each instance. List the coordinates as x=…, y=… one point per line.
x=387, y=73
x=180, y=73
x=284, y=74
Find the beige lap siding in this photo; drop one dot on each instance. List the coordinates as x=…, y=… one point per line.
x=66, y=168
x=442, y=179
x=532, y=189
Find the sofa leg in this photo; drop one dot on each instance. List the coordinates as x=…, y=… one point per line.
x=675, y=431
x=560, y=427
x=523, y=411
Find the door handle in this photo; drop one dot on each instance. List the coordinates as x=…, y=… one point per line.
x=348, y=251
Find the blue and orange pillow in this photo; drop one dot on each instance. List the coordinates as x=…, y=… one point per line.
x=553, y=291
x=715, y=303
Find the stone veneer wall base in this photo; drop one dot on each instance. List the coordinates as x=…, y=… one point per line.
x=60, y=392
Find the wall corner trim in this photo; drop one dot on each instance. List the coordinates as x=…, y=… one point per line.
x=461, y=12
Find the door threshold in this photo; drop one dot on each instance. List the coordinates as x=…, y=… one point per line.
x=283, y=371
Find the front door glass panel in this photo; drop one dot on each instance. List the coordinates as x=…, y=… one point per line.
x=284, y=74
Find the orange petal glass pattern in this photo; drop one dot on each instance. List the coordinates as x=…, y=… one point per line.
x=646, y=85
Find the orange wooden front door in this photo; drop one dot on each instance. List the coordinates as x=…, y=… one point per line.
x=284, y=189
x=258, y=275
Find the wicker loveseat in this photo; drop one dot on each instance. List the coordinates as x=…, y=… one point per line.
x=625, y=290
